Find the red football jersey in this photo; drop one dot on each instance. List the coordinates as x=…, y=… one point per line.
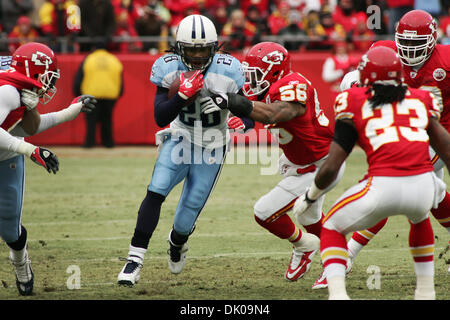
x=393, y=136
x=19, y=81
x=304, y=139
x=434, y=76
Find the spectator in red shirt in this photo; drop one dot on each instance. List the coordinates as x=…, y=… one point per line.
x=337, y=66
x=22, y=31
x=262, y=5
x=59, y=18
x=345, y=15
x=279, y=19
x=240, y=32
x=363, y=37
x=126, y=30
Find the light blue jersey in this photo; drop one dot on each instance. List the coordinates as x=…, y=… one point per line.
x=224, y=75
x=5, y=62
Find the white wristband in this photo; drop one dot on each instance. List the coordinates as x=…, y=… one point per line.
x=314, y=192
x=25, y=148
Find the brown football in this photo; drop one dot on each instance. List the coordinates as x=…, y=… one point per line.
x=176, y=84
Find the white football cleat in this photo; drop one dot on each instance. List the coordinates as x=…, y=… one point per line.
x=130, y=273
x=302, y=255
x=24, y=275
x=321, y=282
x=299, y=265
x=177, y=256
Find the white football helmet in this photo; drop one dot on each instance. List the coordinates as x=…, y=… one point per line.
x=196, y=41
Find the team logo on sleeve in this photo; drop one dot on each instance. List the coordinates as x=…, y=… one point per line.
x=439, y=74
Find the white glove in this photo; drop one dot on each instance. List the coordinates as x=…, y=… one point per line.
x=215, y=102
x=301, y=205
x=29, y=98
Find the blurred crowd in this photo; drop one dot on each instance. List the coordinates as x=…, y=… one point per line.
x=149, y=25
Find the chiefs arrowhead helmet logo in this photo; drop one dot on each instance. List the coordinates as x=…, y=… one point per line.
x=41, y=59
x=274, y=57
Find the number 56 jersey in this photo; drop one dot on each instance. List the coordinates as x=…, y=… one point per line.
x=306, y=138
x=393, y=135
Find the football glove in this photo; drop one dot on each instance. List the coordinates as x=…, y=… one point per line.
x=302, y=204
x=87, y=103
x=239, y=105
x=29, y=98
x=191, y=86
x=236, y=124
x=45, y=158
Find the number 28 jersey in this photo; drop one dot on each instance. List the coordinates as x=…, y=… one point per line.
x=393, y=136
x=306, y=138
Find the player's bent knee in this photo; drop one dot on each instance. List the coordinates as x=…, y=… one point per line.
x=260, y=210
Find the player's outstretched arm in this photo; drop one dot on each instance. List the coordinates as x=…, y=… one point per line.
x=38, y=155
x=440, y=140
x=279, y=111
x=27, y=127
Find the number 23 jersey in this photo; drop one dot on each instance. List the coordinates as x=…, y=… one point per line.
x=392, y=135
x=306, y=138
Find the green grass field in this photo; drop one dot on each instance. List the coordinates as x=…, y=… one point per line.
x=85, y=216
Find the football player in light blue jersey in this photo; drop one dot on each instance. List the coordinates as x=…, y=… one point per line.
x=5, y=62
x=193, y=148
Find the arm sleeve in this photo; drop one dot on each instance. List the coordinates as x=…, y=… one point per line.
x=166, y=110
x=10, y=101
x=345, y=135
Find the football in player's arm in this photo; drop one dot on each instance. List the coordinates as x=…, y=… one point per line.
x=29, y=79
x=199, y=68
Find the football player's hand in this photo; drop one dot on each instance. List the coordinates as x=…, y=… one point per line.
x=29, y=98
x=191, y=86
x=239, y=105
x=87, y=103
x=214, y=102
x=302, y=204
x=45, y=158
x=236, y=124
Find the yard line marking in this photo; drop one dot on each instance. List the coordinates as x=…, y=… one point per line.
x=219, y=255
x=218, y=235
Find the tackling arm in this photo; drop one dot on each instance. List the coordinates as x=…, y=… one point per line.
x=279, y=111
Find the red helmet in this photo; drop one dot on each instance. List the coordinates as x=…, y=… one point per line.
x=380, y=65
x=38, y=62
x=384, y=43
x=264, y=64
x=415, y=37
